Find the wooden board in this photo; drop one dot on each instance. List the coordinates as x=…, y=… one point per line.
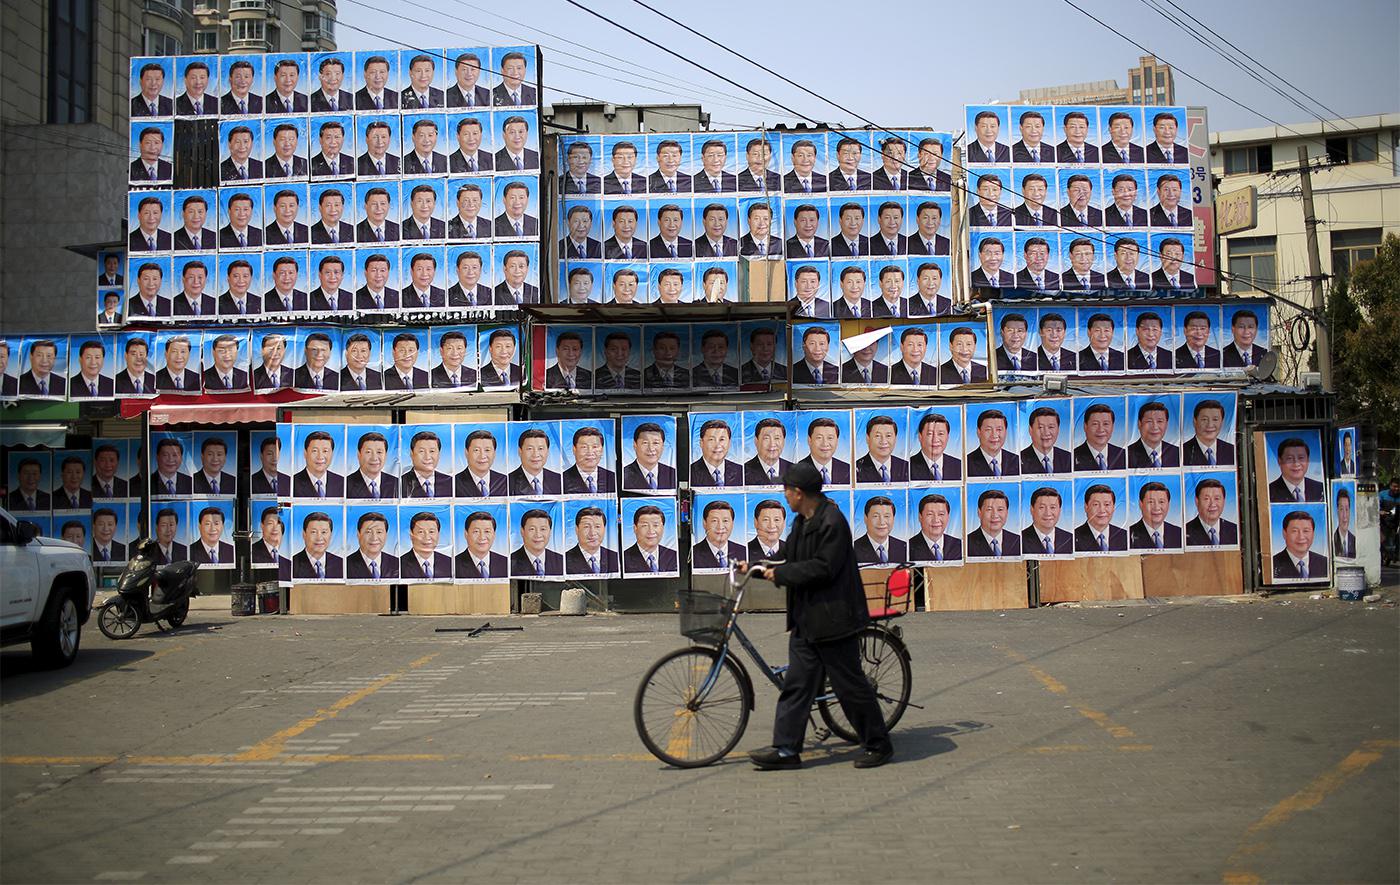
x=976, y=586
x=456, y=415
x=1212, y=573
x=342, y=416
x=338, y=599
x=459, y=599
x=1098, y=578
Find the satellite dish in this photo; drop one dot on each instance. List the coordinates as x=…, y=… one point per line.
x=1264, y=369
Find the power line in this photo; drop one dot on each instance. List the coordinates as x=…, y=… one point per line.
x=672, y=52
x=438, y=27
x=537, y=29
x=1248, y=71
x=96, y=149
x=435, y=53
x=1106, y=26
x=1104, y=235
x=1256, y=61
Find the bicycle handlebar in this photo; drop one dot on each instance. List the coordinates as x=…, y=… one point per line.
x=737, y=580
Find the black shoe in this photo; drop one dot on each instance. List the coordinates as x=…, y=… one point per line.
x=768, y=759
x=874, y=758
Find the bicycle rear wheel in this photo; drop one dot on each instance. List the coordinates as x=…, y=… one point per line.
x=885, y=662
x=676, y=728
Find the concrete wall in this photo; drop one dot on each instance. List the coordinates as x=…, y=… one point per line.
x=60, y=185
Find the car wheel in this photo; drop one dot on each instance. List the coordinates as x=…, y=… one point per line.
x=56, y=637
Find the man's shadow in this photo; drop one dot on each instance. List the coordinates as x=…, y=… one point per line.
x=910, y=744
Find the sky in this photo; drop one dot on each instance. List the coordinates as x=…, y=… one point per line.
x=916, y=63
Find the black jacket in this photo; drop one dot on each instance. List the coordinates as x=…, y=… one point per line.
x=825, y=597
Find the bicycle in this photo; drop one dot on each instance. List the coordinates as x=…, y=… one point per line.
x=693, y=704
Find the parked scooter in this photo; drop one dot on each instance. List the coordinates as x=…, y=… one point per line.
x=148, y=594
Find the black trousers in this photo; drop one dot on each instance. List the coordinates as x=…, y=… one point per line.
x=808, y=663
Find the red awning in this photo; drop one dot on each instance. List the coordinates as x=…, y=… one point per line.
x=211, y=409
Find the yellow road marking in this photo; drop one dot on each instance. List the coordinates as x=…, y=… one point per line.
x=1060, y=749
x=266, y=750
x=570, y=757
x=1052, y=685
x=208, y=759
x=57, y=760
x=678, y=747
x=1306, y=799
x=272, y=747
x=370, y=757
x=1107, y=724
x=1099, y=718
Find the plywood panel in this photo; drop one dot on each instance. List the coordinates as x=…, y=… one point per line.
x=1098, y=578
x=336, y=599
x=341, y=416
x=977, y=586
x=459, y=599
x=455, y=414
x=1212, y=573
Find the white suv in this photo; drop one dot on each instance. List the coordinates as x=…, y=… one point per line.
x=46, y=592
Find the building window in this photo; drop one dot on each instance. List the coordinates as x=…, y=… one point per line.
x=1253, y=263
x=1249, y=160
x=70, y=61
x=1137, y=80
x=1357, y=149
x=1351, y=247
x=317, y=25
x=162, y=44
x=247, y=29
x=206, y=41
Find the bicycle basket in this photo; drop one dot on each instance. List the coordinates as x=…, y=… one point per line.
x=704, y=615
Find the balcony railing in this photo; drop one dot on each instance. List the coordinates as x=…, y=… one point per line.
x=166, y=10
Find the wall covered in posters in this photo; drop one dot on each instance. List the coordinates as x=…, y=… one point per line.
x=1079, y=198
x=1050, y=478
x=662, y=218
x=374, y=183
x=478, y=502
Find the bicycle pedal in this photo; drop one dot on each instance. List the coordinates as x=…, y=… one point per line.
x=821, y=734
x=781, y=668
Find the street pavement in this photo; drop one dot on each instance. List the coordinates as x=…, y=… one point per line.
x=1242, y=741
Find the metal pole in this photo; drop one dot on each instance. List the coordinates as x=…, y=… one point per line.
x=1324, y=343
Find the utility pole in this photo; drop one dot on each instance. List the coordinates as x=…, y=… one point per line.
x=1324, y=343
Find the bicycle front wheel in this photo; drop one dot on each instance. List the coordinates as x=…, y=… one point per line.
x=677, y=728
x=885, y=662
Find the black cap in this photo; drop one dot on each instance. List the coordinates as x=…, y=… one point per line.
x=803, y=477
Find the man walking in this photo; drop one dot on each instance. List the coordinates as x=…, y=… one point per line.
x=826, y=611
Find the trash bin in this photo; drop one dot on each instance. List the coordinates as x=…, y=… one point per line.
x=1351, y=583
x=270, y=599
x=243, y=600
